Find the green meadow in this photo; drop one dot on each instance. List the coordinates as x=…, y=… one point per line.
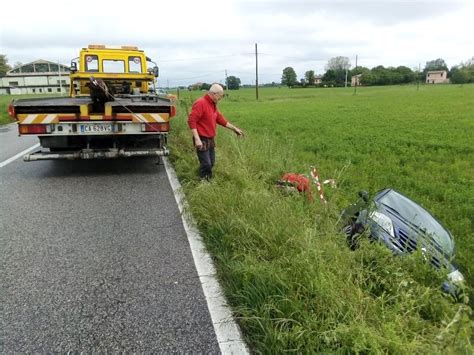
x=293, y=284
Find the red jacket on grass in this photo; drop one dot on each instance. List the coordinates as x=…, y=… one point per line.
x=298, y=181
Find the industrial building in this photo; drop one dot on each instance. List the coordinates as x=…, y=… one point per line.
x=38, y=77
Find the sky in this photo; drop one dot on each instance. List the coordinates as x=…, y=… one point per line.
x=203, y=40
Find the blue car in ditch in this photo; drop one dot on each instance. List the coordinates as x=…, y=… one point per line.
x=403, y=226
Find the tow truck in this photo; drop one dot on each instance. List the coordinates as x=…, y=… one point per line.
x=112, y=110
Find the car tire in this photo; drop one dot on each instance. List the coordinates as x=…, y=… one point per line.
x=353, y=231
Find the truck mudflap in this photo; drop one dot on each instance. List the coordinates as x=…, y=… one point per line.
x=96, y=154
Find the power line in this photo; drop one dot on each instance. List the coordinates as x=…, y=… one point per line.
x=198, y=76
x=200, y=58
x=295, y=58
x=242, y=54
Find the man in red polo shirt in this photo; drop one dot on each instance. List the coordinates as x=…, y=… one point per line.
x=202, y=121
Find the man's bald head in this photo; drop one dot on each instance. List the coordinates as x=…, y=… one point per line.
x=216, y=92
x=216, y=89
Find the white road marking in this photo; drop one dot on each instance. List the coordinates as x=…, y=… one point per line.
x=15, y=157
x=227, y=332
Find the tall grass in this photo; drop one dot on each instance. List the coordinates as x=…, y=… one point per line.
x=285, y=267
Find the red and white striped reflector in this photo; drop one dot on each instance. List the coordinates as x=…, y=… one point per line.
x=151, y=117
x=38, y=118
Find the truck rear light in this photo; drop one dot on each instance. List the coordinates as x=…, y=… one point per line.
x=11, y=111
x=173, y=111
x=156, y=127
x=34, y=128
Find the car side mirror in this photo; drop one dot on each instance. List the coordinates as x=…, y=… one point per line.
x=73, y=67
x=364, y=195
x=155, y=71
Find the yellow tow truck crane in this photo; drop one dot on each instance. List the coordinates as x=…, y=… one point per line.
x=112, y=110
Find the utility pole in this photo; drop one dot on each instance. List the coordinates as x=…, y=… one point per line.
x=60, y=83
x=256, y=71
x=356, y=79
x=346, y=79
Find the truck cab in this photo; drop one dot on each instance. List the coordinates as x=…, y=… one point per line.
x=124, y=69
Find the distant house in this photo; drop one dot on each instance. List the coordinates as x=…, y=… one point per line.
x=195, y=86
x=437, y=77
x=355, y=80
x=38, y=77
x=318, y=79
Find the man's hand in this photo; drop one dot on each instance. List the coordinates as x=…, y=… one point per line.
x=197, y=140
x=238, y=131
x=198, y=143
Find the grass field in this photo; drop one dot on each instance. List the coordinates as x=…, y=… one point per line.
x=291, y=280
x=4, y=101
x=287, y=272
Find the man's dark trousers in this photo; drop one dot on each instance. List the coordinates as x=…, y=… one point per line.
x=207, y=157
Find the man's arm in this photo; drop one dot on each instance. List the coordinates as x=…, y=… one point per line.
x=223, y=122
x=194, y=116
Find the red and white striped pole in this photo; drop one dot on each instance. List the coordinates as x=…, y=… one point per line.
x=315, y=176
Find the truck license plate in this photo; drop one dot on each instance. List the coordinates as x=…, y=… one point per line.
x=96, y=128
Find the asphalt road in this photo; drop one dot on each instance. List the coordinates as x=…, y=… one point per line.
x=95, y=258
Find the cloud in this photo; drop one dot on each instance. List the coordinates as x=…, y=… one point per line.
x=378, y=12
x=200, y=40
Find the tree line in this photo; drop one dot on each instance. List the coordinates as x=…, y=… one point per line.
x=338, y=72
x=231, y=83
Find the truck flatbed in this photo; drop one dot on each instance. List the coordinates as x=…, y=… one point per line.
x=131, y=103
x=52, y=101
